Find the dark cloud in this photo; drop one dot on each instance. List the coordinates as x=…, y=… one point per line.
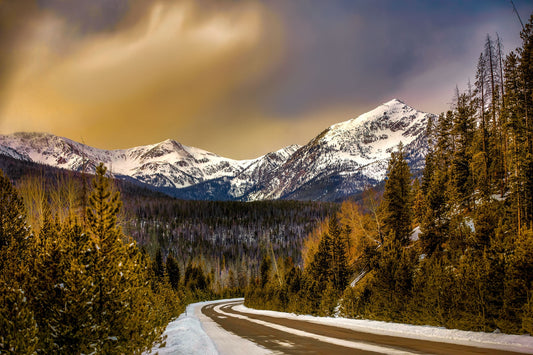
x=215, y=72
x=15, y=16
x=342, y=51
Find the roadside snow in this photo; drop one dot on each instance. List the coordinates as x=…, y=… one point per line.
x=193, y=333
x=185, y=335
x=518, y=343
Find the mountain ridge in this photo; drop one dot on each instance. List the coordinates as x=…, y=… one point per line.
x=342, y=160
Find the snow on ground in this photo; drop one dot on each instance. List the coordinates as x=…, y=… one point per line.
x=195, y=334
x=185, y=335
x=357, y=279
x=518, y=343
x=415, y=234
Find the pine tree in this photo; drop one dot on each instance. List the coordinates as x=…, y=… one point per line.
x=102, y=210
x=480, y=88
x=119, y=276
x=463, y=132
x=264, y=271
x=393, y=282
x=13, y=229
x=71, y=315
x=17, y=322
x=435, y=219
x=397, y=198
x=526, y=72
x=338, y=269
x=51, y=262
x=418, y=202
x=173, y=271
x=319, y=269
x=158, y=266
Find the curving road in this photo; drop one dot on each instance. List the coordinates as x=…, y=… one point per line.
x=292, y=336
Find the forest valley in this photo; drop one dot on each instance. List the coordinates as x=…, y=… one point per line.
x=103, y=266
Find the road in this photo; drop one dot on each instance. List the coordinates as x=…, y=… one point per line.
x=293, y=336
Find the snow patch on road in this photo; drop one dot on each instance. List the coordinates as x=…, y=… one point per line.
x=518, y=343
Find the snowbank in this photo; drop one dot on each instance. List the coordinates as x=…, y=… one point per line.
x=185, y=335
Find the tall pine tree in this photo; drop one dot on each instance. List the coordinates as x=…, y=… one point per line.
x=397, y=198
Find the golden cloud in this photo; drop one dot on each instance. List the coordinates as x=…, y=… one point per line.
x=179, y=67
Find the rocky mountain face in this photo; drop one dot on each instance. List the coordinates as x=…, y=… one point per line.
x=340, y=161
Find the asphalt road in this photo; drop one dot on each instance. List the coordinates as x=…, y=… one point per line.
x=290, y=336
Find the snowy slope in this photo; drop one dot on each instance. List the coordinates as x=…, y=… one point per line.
x=12, y=153
x=165, y=164
x=261, y=169
x=351, y=154
x=342, y=160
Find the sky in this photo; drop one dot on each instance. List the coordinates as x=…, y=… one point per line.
x=238, y=78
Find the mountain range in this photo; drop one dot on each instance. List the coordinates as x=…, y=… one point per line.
x=339, y=162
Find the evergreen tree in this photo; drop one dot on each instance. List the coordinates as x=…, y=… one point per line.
x=463, y=132
x=118, y=274
x=195, y=279
x=173, y=271
x=13, y=229
x=319, y=270
x=524, y=135
x=397, y=198
x=102, y=211
x=338, y=268
x=264, y=271
x=159, y=268
x=17, y=322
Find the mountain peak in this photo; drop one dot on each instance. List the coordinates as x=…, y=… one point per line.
x=171, y=144
x=393, y=102
x=393, y=110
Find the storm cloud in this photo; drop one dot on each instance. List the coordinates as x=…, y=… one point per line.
x=239, y=78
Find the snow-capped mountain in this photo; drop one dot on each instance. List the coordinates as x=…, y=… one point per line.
x=350, y=155
x=340, y=161
x=168, y=164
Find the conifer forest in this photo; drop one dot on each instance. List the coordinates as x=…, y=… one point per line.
x=90, y=264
